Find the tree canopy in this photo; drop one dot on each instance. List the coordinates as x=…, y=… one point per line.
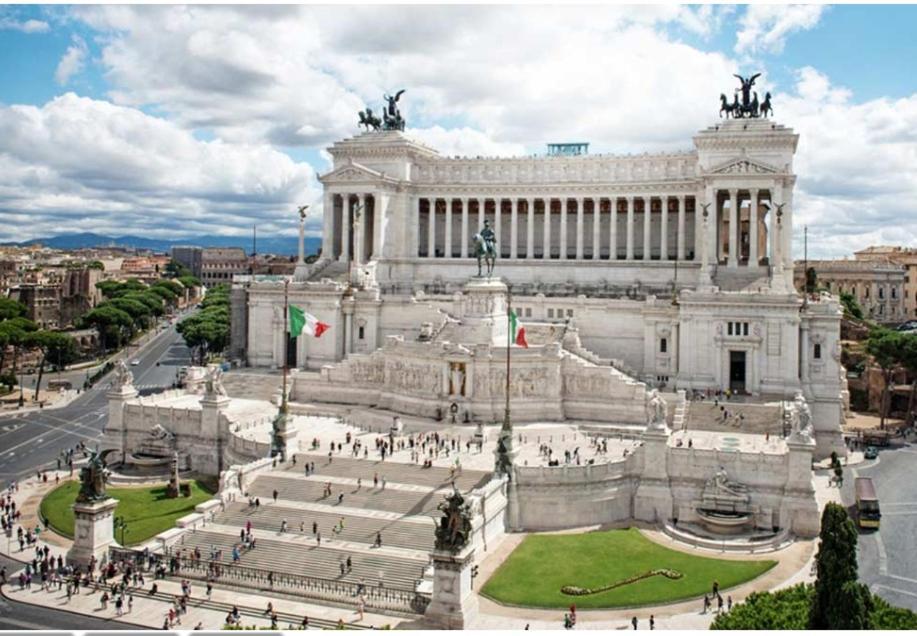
x=207, y=331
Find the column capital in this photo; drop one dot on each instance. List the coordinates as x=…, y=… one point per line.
x=733, y=193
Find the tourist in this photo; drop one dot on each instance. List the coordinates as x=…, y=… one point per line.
x=199, y=626
x=716, y=588
x=269, y=610
x=652, y=622
x=318, y=539
x=633, y=622
x=340, y=498
x=349, y=564
x=359, y=483
x=378, y=539
x=302, y=527
x=728, y=603
x=275, y=495
x=706, y=603
x=305, y=622
x=283, y=526
x=719, y=603
x=314, y=528
x=342, y=568
x=375, y=480
x=209, y=588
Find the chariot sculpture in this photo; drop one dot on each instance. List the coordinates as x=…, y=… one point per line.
x=749, y=106
x=391, y=115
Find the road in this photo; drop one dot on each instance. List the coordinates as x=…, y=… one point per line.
x=887, y=558
x=35, y=439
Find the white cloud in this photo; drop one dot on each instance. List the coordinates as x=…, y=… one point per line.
x=765, y=27
x=297, y=75
x=77, y=164
x=72, y=61
x=26, y=26
x=856, y=166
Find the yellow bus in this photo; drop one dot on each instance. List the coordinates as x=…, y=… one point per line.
x=868, y=514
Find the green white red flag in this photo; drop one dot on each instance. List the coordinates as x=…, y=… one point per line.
x=517, y=330
x=301, y=322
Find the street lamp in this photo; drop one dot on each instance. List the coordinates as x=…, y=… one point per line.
x=121, y=524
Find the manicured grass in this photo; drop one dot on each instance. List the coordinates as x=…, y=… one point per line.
x=147, y=510
x=535, y=572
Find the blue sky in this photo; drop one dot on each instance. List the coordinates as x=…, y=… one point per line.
x=171, y=120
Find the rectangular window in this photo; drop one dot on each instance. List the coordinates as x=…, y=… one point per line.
x=817, y=353
x=569, y=313
x=729, y=329
x=360, y=336
x=881, y=293
x=550, y=312
x=744, y=328
x=663, y=345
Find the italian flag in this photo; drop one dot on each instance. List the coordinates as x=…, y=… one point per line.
x=300, y=321
x=517, y=330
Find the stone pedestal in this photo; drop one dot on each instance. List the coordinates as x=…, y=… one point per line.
x=454, y=604
x=653, y=499
x=484, y=312
x=212, y=407
x=93, y=531
x=115, y=427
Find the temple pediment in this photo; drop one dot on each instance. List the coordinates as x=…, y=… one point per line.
x=744, y=165
x=353, y=172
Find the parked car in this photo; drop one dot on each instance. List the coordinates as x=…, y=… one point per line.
x=135, y=362
x=871, y=452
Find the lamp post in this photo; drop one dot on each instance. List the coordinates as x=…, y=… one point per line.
x=121, y=524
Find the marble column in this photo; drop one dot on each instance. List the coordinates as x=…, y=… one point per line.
x=733, y=227
x=563, y=228
x=647, y=227
x=579, y=228
x=530, y=229
x=753, y=229
x=613, y=229
x=681, y=228
x=547, y=229
x=328, y=226
x=448, y=228
x=596, y=226
x=629, y=252
x=464, y=242
x=498, y=212
x=514, y=229
x=360, y=233
x=481, y=203
x=431, y=229
x=664, y=230
x=415, y=233
x=346, y=208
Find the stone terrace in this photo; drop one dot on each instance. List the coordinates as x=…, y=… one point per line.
x=708, y=415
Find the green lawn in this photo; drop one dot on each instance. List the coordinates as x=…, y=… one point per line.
x=147, y=510
x=535, y=572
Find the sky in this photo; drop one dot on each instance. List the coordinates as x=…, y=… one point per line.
x=175, y=121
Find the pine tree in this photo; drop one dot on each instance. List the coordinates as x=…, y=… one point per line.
x=840, y=601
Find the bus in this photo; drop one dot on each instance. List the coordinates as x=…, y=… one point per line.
x=868, y=514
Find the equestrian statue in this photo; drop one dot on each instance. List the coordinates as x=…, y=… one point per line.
x=391, y=115
x=485, y=248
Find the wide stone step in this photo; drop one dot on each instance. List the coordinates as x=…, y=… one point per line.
x=415, y=535
x=365, y=469
x=320, y=562
x=291, y=488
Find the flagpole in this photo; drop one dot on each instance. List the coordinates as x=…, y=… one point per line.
x=286, y=339
x=509, y=345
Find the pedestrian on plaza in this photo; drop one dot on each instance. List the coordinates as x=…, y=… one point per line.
x=378, y=538
x=359, y=483
x=275, y=495
x=342, y=568
x=652, y=622
x=633, y=622
x=340, y=497
x=314, y=528
x=130, y=603
x=305, y=622
x=706, y=603
x=361, y=604
x=349, y=564
x=719, y=603
x=209, y=588
x=318, y=539
x=728, y=603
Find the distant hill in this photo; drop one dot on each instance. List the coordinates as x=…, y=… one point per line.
x=266, y=245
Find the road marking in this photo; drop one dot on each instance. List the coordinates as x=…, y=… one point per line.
x=902, y=578
x=883, y=556
x=20, y=623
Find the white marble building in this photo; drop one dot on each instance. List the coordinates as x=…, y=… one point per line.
x=598, y=242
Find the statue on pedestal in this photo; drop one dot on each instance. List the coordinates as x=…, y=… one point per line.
x=93, y=477
x=485, y=248
x=454, y=528
x=656, y=411
x=213, y=383
x=123, y=376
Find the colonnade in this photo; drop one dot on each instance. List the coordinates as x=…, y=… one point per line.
x=350, y=230
x=625, y=228
x=743, y=231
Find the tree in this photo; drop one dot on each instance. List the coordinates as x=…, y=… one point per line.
x=839, y=601
x=851, y=306
x=908, y=359
x=57, y=346
x=110, y=323
x=885, y=346
x=208, y=330
x=10, y=308
x=137, y=310
x=784, y=609
x=189, y=281
x=174, y=269
x=13, y=332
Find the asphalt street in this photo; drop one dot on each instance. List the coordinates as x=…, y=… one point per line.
x=35, y=439
x=888, y=558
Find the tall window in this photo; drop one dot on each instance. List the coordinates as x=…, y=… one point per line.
x=817, y=353
x=663, y=345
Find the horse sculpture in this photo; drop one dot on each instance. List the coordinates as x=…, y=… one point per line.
x=766, y=108
x=369, y=120
x=485, y=251
x=726, y=107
